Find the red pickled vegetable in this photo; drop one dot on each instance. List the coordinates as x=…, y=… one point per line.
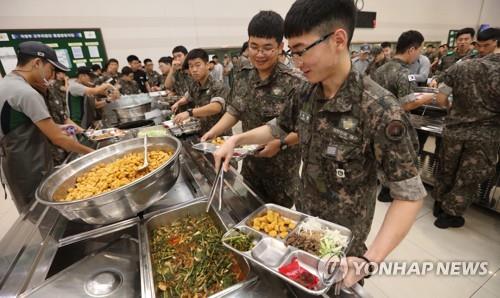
x=299, y=274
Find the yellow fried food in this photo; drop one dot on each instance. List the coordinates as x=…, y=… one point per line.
x=106, y=177
x=218, y=141
x=273, y=223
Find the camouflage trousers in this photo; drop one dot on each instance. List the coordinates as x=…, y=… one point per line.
x=463, y=165
x=273, y=184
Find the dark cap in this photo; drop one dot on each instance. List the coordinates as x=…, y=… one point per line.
x=38, y=49
x=365, y=48
x=84, y=70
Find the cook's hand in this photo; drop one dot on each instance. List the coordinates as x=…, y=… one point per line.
x=174, y=107
x=225, y=153
x=208, y=136
x=352, y=277
x=271, y=149
x=179, y=118
x=433, y=84
x=102, y=88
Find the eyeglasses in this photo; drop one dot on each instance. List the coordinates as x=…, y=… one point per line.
x=264, y=51
x=296, y=55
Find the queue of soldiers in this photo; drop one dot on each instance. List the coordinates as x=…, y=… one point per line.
x=335, y=128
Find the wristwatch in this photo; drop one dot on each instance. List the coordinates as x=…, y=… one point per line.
x=283, y=144
x=371, y=267
x=190, y=112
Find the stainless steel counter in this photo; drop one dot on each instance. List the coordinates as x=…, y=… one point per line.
x=42, y=243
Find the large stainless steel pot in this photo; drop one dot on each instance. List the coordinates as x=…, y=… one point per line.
x=132, y=112
x=118, y=204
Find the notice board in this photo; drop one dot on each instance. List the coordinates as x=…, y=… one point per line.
x=74, y=47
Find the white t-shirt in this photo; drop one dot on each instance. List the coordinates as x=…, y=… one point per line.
x=22, y=98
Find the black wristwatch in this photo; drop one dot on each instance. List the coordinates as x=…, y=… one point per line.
x=190, y=112
x=371, y=267
x=283, y=144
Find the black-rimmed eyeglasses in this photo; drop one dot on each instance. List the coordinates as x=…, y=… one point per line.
x=298, y=54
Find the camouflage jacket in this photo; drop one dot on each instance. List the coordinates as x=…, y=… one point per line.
x=56, y=102
x=154, y=79
x=129, y=87
x=255, y=102
x=344, y=141
x=475, y=110
x=211, y=91
x=182, y=82
x=395, y=76
x=106, y=76
x=452, y=57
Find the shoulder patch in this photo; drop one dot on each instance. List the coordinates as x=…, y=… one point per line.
x=395, y=130
x=411, y=78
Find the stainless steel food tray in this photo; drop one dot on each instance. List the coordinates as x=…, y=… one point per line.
x=192, y=127
x=271, y=253
x=166, y=218
x=239, y=152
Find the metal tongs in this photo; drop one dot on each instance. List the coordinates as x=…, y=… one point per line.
x=218, y=186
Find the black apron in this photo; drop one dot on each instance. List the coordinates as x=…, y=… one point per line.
x=26, y=158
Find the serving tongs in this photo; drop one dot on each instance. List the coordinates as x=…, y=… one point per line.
x=217, y=187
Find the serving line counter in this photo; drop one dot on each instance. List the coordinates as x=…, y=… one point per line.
x=45, y=254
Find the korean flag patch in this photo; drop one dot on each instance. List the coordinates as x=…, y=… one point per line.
x=411, y=78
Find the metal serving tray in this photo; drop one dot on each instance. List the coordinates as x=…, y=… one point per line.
x=97, y=135
x=192, y=127
x=239, y=152
x=166, y=218
x=111, y=272
x=271, y=253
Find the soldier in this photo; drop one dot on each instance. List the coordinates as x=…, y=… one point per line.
x=463, y=51
x=259, y=94
x=349, y=127
x=165, y=65
x=471, y=137
x=127, y=83
x=378, y=60
x=487, y=41
x=361, y=63
x=140, y=75
x=154, y=78
x=110, y=71
x=178, y=80
x=387, y=48
x=208, y=95
x=56, y=103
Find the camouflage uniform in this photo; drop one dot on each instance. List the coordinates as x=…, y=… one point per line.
x=256, y=102
x=154, y=79
x=375, y=65
x=211, y=91
x=182, y=81
x=56, y=103
x=395, y=77
x=129, y=87
x=106, y=76
x=343, y=142
x=452, y=57
x=471, y=137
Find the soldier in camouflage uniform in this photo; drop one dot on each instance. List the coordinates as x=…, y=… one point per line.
x=463, y=51
x=395, y=77
x=127, y=83
x=471, y=137
x=154, y=78
x=207, y=95
x=58, y=109
x=255, y=101
x=349, y=127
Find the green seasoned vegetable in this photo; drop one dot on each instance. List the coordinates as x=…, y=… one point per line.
x=189, y=259
x=239, y=240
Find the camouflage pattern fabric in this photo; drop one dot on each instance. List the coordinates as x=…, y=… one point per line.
x=344, y=141
x=154, y=79
x=56, y=103
x=129, y=87
x=255, y=102
x=182, y=82
x=471, y=137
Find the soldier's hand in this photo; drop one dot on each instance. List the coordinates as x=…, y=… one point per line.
x=208, y=136
x=179, y=118
x=102, y=88
x=225, y=153
x=174, y=107
x=433, y=84
x=176, y=65
x=356, y=271
x=271, y=149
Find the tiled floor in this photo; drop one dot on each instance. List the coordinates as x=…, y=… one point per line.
x=479, y=240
